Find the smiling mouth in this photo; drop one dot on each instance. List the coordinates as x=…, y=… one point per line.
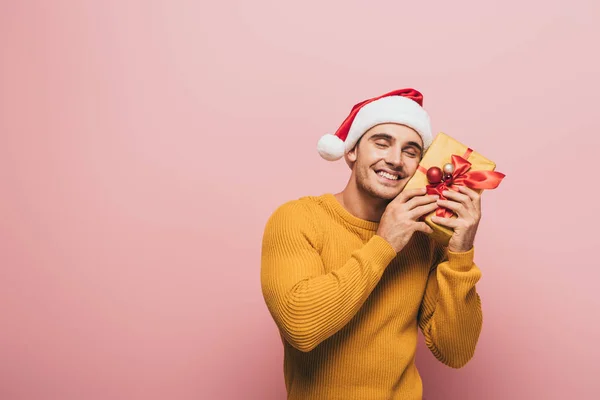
x=388, y=177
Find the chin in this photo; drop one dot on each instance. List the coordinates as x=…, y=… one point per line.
x=386, y=193
x=389, y=194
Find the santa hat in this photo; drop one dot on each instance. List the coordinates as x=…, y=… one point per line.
x=403, y=106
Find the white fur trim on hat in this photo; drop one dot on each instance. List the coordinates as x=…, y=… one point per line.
x=392, y=109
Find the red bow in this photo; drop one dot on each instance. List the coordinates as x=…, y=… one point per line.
x=460, y=177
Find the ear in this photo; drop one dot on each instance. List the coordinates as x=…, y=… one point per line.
x=351, y=156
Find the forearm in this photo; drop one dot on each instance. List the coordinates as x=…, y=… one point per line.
x=453, y=317
x=314, y=308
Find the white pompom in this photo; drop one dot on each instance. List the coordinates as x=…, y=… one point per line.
x=331, y=147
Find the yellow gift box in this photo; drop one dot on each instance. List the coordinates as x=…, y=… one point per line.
x=438, y=154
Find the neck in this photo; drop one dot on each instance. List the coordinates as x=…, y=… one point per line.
x=361, y=204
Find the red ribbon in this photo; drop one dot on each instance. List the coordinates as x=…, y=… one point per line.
x=462, y=177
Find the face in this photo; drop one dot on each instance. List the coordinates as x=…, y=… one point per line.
x=384, y=159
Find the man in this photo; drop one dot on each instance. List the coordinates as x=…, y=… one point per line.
x=348, y=277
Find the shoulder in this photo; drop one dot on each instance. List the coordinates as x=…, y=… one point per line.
x=300, y=211
x=295, y=218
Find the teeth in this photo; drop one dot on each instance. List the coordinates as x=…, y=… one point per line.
x=386, y=175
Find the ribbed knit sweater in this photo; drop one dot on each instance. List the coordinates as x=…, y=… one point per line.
x=348, y=307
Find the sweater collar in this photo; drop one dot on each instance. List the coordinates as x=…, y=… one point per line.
x=331, y=200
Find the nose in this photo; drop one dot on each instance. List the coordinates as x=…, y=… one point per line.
x=394, y=157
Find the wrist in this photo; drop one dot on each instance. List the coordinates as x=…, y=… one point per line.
x=459, y=249
x=462, y=246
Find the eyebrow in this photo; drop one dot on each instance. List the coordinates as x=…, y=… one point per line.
x=391, y=138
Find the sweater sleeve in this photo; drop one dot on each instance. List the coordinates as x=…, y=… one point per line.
x=307, y=303
x=450, y=315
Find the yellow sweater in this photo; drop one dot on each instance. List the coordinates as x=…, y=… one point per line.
x=348, y=306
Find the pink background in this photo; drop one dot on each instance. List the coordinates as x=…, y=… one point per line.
x=143, y=145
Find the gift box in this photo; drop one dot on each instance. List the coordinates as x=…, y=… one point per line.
x=467, y=167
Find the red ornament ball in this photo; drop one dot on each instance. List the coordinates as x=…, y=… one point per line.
x=447, y=178
x=434, y=175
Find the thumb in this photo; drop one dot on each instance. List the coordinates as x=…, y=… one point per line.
x=423, y=227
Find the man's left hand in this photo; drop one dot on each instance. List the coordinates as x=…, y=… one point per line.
x=467, y=206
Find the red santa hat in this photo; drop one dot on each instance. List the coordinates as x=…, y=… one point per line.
x=402, y=106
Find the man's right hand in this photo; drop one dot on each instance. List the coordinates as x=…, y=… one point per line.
x=400, y=218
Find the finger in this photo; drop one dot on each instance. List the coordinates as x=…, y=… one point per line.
x=420, y=200
x=406, y=195
x=455, y=206
x=419, y=211
x=473, y=195
x=423, y=227
x=467, y=191
x=449, y=222
x=462, y=199
x=453, y=195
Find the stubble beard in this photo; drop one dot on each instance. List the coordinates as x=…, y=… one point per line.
x=365, y=183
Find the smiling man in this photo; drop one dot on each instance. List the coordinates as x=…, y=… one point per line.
x=350, y=277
